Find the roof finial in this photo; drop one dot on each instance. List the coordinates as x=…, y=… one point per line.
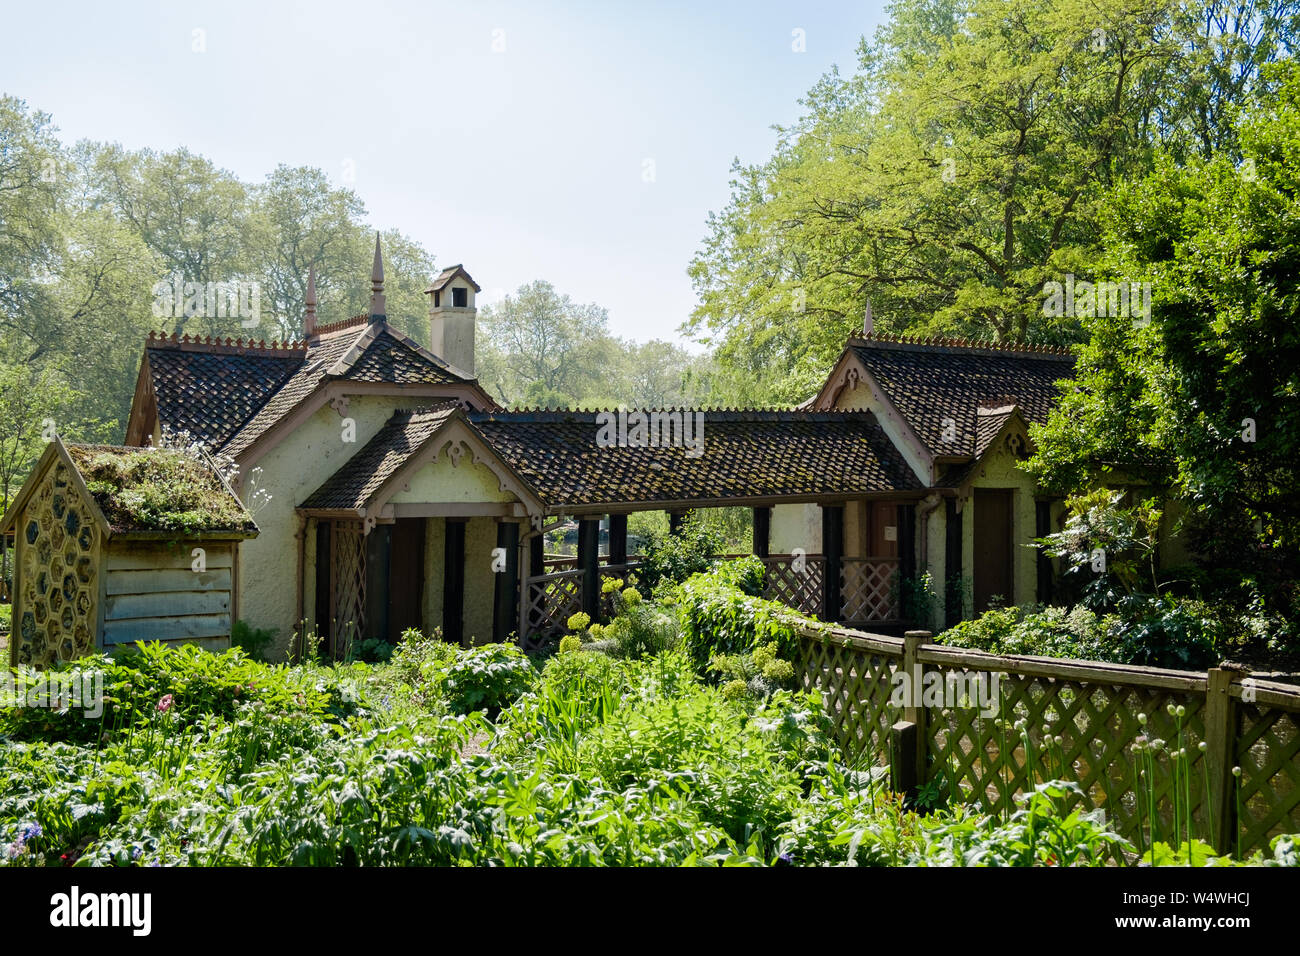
x=309, y=324
x=868, y=323
x=378, y=309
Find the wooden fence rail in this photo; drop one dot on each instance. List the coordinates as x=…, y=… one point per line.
x=1082, y=720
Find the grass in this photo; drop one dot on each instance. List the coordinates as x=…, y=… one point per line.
x=158, y=490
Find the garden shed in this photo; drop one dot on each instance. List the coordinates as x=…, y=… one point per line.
x=116, y=545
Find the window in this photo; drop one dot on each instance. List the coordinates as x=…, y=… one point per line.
x=437, y=299
x=459, y=298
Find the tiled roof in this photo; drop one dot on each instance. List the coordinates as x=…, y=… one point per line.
x=228, y=395
x=321, y=354
x=746, y=454
x=446, y=275
x=932, y=381
x=211, y=391
x=366, y=471
x=392, y=359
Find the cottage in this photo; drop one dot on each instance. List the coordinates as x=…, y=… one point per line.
x=116, y=545
x=403, y=496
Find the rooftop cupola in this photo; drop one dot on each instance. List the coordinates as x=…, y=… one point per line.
x=451, y=317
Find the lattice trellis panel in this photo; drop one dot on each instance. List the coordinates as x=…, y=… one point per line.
x=1097, y=726
x=798, y=588
x=1268, y=753
x=348, y=567
x=985, y=759
x=59, y=574
x=855, y=688
x=552, y=600
x=867, y=589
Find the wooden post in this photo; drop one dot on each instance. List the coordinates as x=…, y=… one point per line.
x=914, y=712
x=453, y=582
x=589, y=562
x=675, y=521
x=618, y=539
x=902, y=759
x=833, y=550
x=762, y=532
x=1220, y=744
x=525, y=597
x=505, y=607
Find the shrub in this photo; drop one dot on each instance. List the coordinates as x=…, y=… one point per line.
x=719, y=619
x=487, y=677
x=570, y=643
x=253, y=641
x=673, y=558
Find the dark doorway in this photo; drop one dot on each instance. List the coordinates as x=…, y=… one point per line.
x=453, y=583
x=406, y=578
x=992, y=548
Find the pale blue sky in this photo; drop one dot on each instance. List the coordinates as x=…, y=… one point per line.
x=525, y=163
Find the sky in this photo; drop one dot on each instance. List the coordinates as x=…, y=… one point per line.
x=581, y=143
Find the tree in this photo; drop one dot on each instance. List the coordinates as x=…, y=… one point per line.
x=302, y=221
x=959, y=169
x=1202, y=400
x=540, y=347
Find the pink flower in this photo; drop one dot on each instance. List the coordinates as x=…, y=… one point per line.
x=165, y=704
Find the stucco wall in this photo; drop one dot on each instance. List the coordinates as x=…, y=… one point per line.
x=480, y=582
x=446, y=483
x=796, y=526
x=297, y=466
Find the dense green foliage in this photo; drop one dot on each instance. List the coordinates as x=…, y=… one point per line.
x=207, y=759
x=960, y=166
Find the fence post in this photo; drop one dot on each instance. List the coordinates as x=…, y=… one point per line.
x=914, y=712
x=1220, y=747
x=902, y=759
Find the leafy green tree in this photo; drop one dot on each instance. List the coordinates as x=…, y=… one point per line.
x=1202, y=400
x=956, y=171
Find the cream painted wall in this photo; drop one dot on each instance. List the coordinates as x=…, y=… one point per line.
x=291, y=471
x=480, y=581
x=796, y=526
x=435, y=554
x=446, y=483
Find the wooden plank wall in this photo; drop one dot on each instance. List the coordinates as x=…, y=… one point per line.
x=153, y=594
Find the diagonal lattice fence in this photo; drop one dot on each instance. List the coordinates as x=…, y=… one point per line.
x=990, y=728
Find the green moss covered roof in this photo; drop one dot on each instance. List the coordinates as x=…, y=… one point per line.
x=159, y=490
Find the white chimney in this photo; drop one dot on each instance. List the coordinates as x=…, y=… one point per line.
x=452, y=316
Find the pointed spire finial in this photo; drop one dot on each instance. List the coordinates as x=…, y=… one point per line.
x=868, y=323
x=309, y=325
x=378, y=308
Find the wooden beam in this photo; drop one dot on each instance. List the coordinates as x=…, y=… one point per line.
x=762, y=531
x=833, y=550
x=589, y=562
x=1220, y=744
x=618, y=539
x=505, y=606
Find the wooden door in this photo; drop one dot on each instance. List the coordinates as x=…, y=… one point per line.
x=992, y=548
x=406, y=578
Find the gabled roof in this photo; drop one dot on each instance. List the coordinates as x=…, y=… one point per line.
x=408, y=439
x=227, y=395
x=143, y=492
x=379, y=459
x=446, y=275
x=749, y=455
x=210, y=388
x=930, y=381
